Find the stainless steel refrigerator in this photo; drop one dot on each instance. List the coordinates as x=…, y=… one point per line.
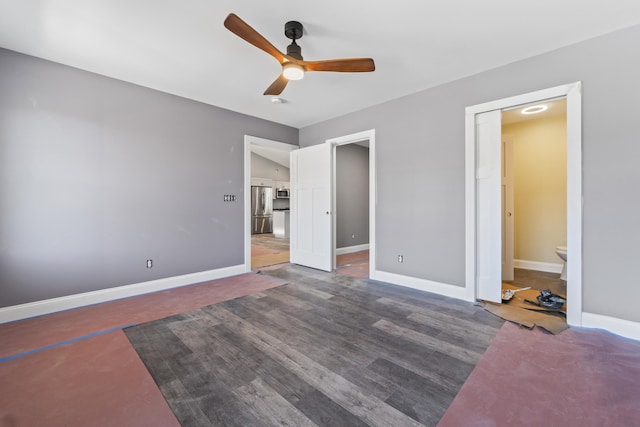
x=261, y=210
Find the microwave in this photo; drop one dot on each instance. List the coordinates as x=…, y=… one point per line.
x=282, y=193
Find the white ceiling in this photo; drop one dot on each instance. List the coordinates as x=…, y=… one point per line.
x=181, y=47
x=279, y=156
x=556, y=107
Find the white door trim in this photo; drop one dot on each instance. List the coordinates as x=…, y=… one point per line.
x=369, y=135
x=573, y=93
x=250, y=141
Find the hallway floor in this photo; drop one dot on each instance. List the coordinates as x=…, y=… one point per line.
x=266, y=249
x=355, y=264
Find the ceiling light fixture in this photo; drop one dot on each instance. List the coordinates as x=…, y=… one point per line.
x=534, y=109
x=292, y=71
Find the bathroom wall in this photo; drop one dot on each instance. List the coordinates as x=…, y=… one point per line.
x=540, y=187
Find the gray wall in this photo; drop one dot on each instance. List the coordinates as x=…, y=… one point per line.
x=352, y=195
x=420, y=166
x=98, y=175
x=261, y=167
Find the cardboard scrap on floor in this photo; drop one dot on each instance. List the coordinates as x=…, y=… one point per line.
x=517, y=310
x=527, y=318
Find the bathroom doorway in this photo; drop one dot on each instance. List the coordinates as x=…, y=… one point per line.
x=534, y=195
x=482, y=196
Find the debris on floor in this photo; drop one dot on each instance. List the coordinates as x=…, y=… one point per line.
x=529, y=308
x=507, y=294
x=549, y=300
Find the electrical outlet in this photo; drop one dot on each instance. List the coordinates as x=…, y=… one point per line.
x=149, y=263
x=400, y=258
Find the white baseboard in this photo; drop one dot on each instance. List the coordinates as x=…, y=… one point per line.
x=458, y=292
x=625, y=328
x=39, y=308
x=548, y=267
x=352, y=249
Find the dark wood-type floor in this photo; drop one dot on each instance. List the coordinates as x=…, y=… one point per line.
x=539, y=280
x=324, y=349
x=77, y=367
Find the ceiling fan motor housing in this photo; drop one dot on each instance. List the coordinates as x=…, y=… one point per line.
x=294, y=51
x=293, y=30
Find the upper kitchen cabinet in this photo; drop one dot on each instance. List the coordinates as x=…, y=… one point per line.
x=282, y=184
x=263, y=182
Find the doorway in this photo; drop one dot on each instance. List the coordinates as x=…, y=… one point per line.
x=534, y=197
x=313, y=204
x=265, y=248
x=351, y=195
x=482, y=194
x=361, y=256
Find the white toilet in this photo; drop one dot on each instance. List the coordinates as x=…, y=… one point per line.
x=562, y=253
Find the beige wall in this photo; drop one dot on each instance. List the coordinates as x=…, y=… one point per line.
x=540, y=187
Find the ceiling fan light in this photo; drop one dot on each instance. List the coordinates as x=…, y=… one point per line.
x=292, y=71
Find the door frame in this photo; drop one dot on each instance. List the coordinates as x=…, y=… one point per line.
x=250, y=141
x=573, y=94
x=369, y=135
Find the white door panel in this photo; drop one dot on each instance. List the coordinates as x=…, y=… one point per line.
x=488, y=208
x=311, y=233
x=508, y=214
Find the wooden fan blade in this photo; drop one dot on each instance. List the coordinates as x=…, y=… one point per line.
x=243, y=30
x=277, y=86
x=348, y=65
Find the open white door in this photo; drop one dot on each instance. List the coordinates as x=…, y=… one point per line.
x=489, y=206
x=311, y=233
x=507, y=209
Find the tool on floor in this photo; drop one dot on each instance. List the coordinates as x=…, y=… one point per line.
x=546, y=309
x=509, y=293
x=547, y=299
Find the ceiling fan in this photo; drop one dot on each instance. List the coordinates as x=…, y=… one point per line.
x=293, y=65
